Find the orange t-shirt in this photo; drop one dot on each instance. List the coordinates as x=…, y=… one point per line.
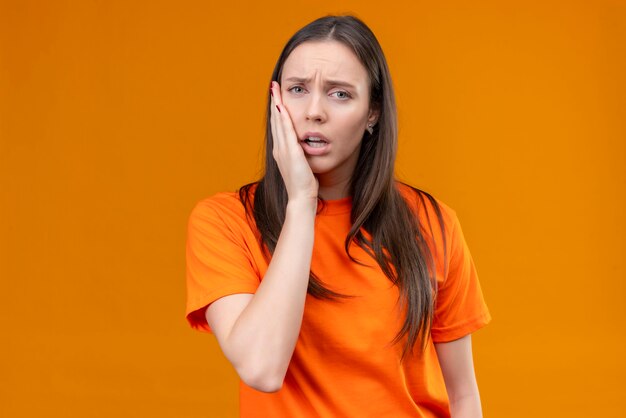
x=344, y=364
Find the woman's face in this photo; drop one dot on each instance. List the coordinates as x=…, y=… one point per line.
x=325, y=89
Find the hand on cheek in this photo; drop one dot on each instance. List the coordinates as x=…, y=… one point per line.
x=288, y=154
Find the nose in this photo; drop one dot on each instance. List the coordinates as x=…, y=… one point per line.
x=315, y=110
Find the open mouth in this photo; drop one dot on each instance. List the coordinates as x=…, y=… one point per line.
x=315, y=142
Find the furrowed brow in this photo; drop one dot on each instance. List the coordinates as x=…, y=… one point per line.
x=298, y=79
x=338, y=83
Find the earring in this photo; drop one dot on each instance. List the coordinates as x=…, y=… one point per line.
x=370, y=129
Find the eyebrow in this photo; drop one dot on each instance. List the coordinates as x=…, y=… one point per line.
x=329, y=82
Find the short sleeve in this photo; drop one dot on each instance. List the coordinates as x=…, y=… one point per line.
x=218, y=261
x=460, y=308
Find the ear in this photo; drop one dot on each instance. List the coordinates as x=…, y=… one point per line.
x=373, y=115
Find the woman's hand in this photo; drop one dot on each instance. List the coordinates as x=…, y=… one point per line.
x=289, y=155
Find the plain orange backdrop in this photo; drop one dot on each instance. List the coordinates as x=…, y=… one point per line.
x=116, y=117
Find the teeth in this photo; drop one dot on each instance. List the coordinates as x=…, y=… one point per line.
x=316, y=144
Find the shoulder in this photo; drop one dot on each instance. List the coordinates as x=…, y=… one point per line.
x=223, y=204
x=227, y=204
x=440, y=225
x=426, y=206
x=223, y=210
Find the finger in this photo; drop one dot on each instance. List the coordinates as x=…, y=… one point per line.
x=281, y=134
x=289, y=137
x=275, y=91
x=273, y=120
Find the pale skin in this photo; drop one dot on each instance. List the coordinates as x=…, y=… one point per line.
x=258, y=332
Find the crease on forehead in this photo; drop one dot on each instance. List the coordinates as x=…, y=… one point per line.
x=304, y=63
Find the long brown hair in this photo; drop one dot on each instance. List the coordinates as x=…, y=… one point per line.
x=398, y=242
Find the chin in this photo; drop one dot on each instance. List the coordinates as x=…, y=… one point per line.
x=320, y=168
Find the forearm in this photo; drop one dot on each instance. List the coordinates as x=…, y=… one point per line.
x=466, y=406
x=457, y=366
x=264, y=336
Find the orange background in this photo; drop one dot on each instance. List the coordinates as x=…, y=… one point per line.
x=117, y=116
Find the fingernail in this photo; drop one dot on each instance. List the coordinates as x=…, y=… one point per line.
x=278, y=109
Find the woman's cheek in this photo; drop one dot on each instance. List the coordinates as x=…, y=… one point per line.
x=286, y=102
x=293, y=110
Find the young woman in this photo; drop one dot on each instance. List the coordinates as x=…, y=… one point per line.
x=332, y=288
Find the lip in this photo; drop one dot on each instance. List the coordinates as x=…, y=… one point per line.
x=315, y=134
x=309, y=150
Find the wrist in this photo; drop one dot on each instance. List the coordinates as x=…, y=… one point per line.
x=302, y=206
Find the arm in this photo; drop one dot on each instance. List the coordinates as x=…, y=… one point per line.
x=455, y=358
x=258, y=332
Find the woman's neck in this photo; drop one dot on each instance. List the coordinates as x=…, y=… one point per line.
x=333, y=189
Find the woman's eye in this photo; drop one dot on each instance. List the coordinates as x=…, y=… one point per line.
x=297, y=89
x=342, y=94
